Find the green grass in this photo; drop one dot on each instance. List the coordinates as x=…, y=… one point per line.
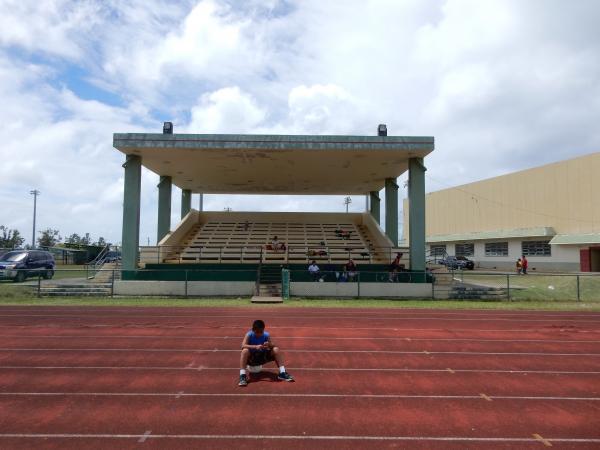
x=320, y=303
x=69, y=271
x=10, y=290
x=541, y=287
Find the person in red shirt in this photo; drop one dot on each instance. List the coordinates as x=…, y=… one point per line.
x=524, y=264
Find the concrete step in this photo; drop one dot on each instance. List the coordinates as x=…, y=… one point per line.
x=76, y=290
x=74, y=294
x=477, y=293
x=266, y=299
x=269, y=290
x=76, y=286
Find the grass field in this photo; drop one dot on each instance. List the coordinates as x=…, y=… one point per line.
x=540, y=287
x=319, y=303
x=69, y=271
x=534, y=292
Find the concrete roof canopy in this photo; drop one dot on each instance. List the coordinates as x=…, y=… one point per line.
x=275, y=164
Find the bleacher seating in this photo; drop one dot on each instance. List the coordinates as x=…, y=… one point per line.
x=241, y=241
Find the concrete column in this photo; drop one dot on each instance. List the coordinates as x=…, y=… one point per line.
x=375, y=201
x=131, y=212
x=164, y=207
x=391, y=210
x=416, y=213
x=186, y=202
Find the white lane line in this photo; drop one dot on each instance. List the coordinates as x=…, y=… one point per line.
x=277, y=395
x=295, y=437
x=244, y=328
x=309, y=369
x=321, y=338
x=332, y=317
x=145, y=436
x=349, y=311
x=214, y=350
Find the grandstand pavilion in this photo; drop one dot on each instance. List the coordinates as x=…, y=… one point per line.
x=274, y=164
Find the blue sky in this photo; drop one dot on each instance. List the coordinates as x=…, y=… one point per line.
x=503, y=85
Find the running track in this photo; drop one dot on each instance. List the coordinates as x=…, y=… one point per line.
x=74, y=377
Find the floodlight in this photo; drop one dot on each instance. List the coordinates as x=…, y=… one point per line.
x=168, y=128
x=382, y=130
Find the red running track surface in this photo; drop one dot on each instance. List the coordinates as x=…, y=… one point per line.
x=73, y=377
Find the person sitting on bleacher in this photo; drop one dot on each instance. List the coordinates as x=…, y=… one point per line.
x=276, y=245
x=342, y=234
x=314, y=271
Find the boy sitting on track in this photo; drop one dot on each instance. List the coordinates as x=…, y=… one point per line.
x=258, y=349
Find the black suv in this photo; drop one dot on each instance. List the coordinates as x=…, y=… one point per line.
x=20, y=264
x=457, y=262
x=112, y=256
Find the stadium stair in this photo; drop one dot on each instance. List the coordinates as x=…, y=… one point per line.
x=464, y=292
x=76, y=290
x=270, y=281
x=106, y=273
x=240, y=242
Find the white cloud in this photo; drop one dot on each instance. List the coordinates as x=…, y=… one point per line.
x=322, y=109
x=47, y=26
x=228, y=110
x=502, y=85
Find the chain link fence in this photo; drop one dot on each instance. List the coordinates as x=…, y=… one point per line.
x=82, y=282
x=509, y=286
x=178, y=282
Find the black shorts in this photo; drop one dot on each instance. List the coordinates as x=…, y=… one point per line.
x=259, y=358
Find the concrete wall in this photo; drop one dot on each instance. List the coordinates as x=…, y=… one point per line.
x=562, y=195
x=367, y=290
x=182, y=229
x=564, y=257
x=377, y=234
x=177, y=288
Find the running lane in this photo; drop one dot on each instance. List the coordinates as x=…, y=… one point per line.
x=161, y=378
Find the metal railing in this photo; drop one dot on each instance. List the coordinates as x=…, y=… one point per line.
x=97, y=263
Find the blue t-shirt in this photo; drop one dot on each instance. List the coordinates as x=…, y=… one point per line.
x=253, y=339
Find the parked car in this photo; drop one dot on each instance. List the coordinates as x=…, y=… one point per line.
x=457, y=262
x=17, y=265
x=112, y=256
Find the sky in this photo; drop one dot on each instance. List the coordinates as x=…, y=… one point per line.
x=502, y=85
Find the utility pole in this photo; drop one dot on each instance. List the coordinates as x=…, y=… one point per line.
x=35, y=194
x=347, y=201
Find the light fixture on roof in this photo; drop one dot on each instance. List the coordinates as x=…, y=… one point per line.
x=382, y=130
x=168, y=128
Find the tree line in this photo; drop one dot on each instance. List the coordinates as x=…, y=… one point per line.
x=49, y=237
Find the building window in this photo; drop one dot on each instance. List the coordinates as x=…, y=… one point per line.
x=464, y=249
x=437, y=250
x=536, y=248
x=496, y=249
